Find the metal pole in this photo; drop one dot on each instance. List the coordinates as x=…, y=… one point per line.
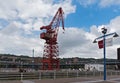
x=21, y=76
x=104, y=31
x=33, y=59
x=104, y=51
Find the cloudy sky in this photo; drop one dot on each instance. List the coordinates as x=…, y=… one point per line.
x=20, y=21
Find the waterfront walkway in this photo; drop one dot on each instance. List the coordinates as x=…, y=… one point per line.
x=114, y=79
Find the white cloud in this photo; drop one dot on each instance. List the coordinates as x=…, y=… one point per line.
x=71, y=39
x=79, y=43
x=115, y=27
x=86, y=3
x=75, y=42
x=14, y=42
x=30, y=12
x=20, y=35
x=100, y=3
x=108, y=3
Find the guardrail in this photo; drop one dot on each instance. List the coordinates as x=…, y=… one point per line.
x=54, y=74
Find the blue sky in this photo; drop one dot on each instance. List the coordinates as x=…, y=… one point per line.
x=20, y=26
x=91, y=15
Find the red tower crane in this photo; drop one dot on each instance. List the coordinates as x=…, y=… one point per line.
x=51, y=53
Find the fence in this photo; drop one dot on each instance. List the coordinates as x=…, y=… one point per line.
x=54, y=74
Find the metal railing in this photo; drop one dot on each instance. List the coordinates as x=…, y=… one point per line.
x=54, y=74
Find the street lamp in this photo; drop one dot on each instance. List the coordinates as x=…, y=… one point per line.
x=104, y=31
x=114, y=35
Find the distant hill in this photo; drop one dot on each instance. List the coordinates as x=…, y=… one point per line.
x=73, y=60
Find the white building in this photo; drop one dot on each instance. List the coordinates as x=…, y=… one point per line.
x=94, y=67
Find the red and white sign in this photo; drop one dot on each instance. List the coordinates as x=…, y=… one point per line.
x=108, y=42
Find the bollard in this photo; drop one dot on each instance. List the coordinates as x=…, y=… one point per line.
x=67, y=74
x=93, y=73
x=40, y=76
x=21, y=76
x=54, y=74
x=100, y=73
x=77, y=73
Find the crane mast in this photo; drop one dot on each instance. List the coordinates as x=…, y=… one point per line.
x=50, y=59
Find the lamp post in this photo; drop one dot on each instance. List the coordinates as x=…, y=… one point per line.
x=104, y=31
